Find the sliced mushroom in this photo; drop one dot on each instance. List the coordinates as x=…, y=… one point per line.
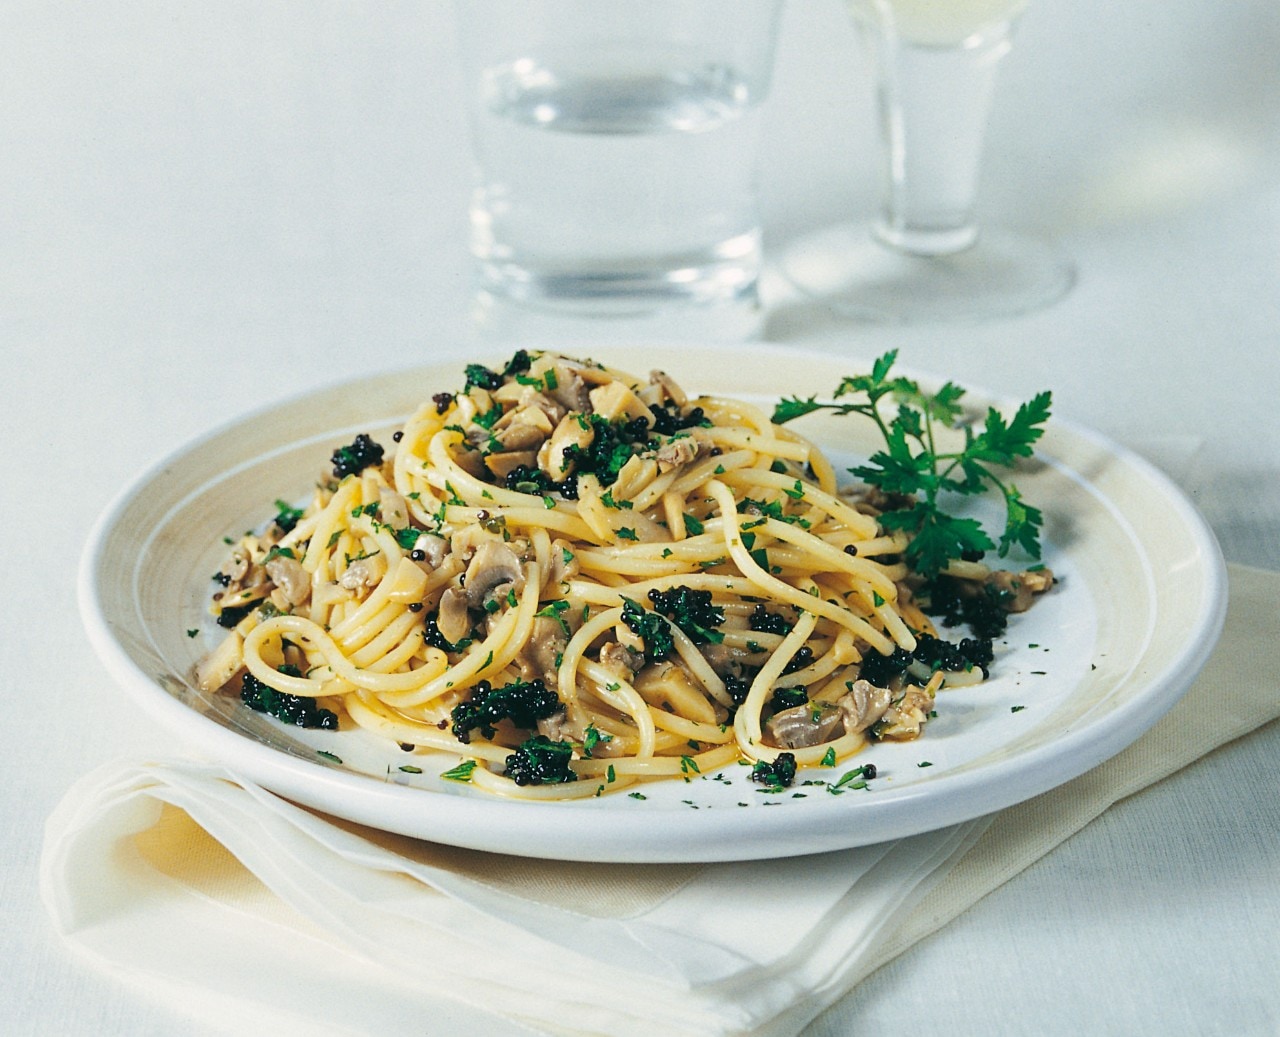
x=559, y=728
x=731, y=660
x=364, y=572
x=571, y=390
x=626, y=662
x=522, y=435
x=236, y=567
x=678, y=452
x=503, y=464
x=862, y=705
x=470, y=456
x=293, y=581
x=539, y=658
x=670, y=389
x=628, y=637
x=433, y=547
x=393, y=509
x=564, y=563
x=529, y=405
x=1018, y=591
x=873, y=501
x=408, y=583
x=473, y=402
x=573, y=431
x=905, y=718
x=452, y=620
x=493, y=570
x=802, y=726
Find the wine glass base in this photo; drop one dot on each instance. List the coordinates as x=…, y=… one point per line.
x=855, y=274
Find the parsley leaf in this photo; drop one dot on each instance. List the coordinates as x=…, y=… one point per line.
x=914, y=473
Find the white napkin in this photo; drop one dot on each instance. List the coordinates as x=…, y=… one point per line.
x=242, y=908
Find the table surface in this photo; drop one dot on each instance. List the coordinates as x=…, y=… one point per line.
x=207, y=208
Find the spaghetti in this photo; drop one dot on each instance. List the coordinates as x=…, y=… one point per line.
x=578, y=580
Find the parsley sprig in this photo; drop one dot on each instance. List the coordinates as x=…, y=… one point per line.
x=918, y=475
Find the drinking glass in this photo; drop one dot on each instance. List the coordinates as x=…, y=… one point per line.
x=925, y=258
x=615, y=148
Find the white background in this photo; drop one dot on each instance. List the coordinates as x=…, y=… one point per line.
x=205, y=208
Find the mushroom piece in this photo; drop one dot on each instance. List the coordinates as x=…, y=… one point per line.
x=873, y=501
x=628, y=637
x=433, y=547
x=452, y=619
x=564, y=563
x=573, y=431
x=235, y=568
x=1018, y=591
x=863, y=704
x=470, y=458
x=802, y=726
x=493, y=570
x=293, y=581
x=670, y=389
x=528, y=405
x=626, y=662
x=679, y=451
x=559, y=728
x=905, y=718
x=407, y=583
x=570, y=391
x=730, y=660
x=393, y=509
x=522, y=435
x=503, y=464
x=364, y=572
x=538, y=658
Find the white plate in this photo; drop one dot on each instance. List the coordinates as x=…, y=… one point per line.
x=1078, y=678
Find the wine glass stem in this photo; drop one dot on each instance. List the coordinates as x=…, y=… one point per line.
x=934, y=102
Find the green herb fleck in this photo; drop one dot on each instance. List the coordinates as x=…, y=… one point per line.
x=462, y=772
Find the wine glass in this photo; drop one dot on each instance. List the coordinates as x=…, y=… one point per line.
x=924, y=258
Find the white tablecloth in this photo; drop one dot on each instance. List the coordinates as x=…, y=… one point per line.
x=204, y=209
